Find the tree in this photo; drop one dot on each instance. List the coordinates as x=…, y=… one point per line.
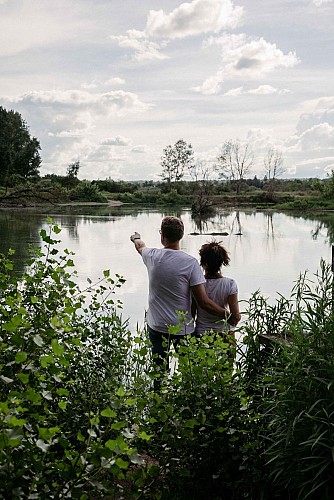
x=329, y=186
x=273, y=167
x=19, y=152
x=273, y=164
x=200, y=172
x=175, y=160
x=73, y=169
x=235, y=162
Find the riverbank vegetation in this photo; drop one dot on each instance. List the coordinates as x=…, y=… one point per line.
x=186, y=180
x=203, y=197
x=79, y=417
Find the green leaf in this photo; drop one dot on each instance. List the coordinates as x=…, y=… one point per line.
x=120, y=392
x=122, y=464
x=47, y=433
x=47, y=360
x=118, y=425
x=55, y=322
x=57, y=348
x=130, y=401
x=108, y=412
x=191, y=423
x=62, y=405
x=12, y=325
x=24, y=377
x=33, y=299
x=106, y=273
x=62, y=392
x=4, y=407
x=144, y=436
x=16, y=422
x=33, y=396
x=80, y=437
x=20, y=357
x=111, y=444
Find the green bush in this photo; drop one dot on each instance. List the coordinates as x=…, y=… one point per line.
x=203, y=425
x=66, y=404
x=292, y=386
x=87, y=191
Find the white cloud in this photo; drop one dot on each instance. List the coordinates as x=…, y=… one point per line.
x=322, y=112
x=261, y=90
x=267, y=89
x=117, y=101
x=317, y=138
x=234, y=92
x=116, y=141
x=114, y=81
x=111, y=82
x=312, y=144
x=145, y=49
x=194, y=18
x=188, y=19
x=140, y=148
x=245, y=57
x=212, y=85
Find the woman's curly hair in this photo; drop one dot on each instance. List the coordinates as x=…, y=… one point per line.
x=213, y=256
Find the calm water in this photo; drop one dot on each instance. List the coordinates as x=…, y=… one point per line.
x=268, y=250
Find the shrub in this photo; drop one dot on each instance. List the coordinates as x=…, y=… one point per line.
x=293, y=389
x=88, y=191
x=65, y=401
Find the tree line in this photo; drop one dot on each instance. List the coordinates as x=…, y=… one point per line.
x=234, y=162
x=230, y=171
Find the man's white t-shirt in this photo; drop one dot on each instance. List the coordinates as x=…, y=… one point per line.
x=217, y=290
x=171, y=273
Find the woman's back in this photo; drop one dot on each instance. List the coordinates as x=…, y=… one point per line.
x=220, y=291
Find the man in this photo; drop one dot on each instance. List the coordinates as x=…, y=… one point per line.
x=174, y=278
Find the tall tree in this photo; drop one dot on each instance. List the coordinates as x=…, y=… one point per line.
x=175, y=160
x=273, y=168
x=273, y=164
x=235, y=162
x=73, y=170
x=19, y=152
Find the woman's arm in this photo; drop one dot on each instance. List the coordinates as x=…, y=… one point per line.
x=233, y=304
x=193, y=308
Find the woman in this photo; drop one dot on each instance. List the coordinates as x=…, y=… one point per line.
x=222, y=290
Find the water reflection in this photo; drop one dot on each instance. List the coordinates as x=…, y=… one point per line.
x=17, y=234
x=268, y=249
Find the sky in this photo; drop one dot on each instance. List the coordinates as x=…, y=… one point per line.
x=111, y=83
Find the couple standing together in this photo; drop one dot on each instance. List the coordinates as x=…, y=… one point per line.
x=176, y=283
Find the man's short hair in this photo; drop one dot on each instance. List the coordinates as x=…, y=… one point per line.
x=172, y=228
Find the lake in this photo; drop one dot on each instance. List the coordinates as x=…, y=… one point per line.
x=268, y=249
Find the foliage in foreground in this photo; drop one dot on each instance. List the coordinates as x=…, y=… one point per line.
x=292, y=384
x=79, y=417
x=64, y=411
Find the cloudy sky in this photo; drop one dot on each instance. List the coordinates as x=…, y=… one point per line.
x=112, y=82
